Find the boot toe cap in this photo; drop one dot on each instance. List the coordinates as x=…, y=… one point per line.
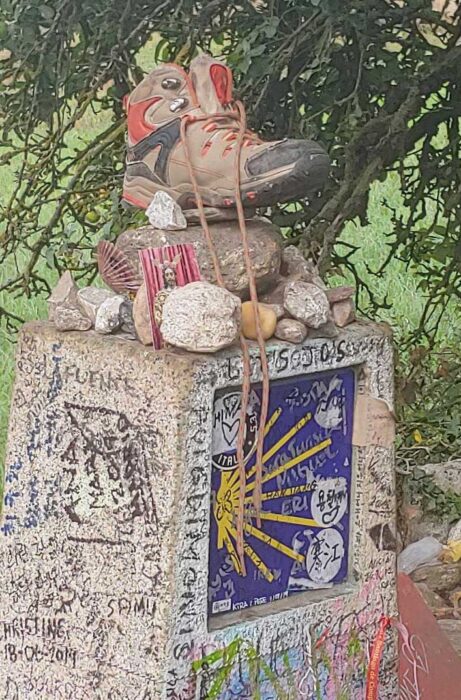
x=297, y=153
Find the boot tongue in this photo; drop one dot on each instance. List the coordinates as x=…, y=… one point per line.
x=212, y=81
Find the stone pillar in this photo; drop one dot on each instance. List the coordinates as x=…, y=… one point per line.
x=118, y=575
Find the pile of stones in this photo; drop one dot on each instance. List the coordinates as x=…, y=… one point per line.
x=201, y=317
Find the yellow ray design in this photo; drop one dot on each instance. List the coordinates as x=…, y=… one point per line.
x=255, y=558
x=283, y=440
x=267, y=539
x=293, y=462
x=290, y=519
x=233, y=554
x=283, y=493
x=269, y=425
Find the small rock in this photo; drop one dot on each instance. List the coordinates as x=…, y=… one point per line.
x=452, y=629
x=108, y=316
x=267, y=321
x=264, y=241
x=141, y=316
x=291, y=330
x=327, y=330
x=307, y=303
x=439, y=577
x=67, y=318
x=164, y=213
x=91, y=298
x=343, y=312
x=64, y=294
x=278, y=309
x=275, y=296
x=455, y=532
x=201, y=317
x=294, y=263
x=433, y=599
x=416, y=524
x=339, y=294
x=127, y=328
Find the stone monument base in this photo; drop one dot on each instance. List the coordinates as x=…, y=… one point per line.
x=119, y=576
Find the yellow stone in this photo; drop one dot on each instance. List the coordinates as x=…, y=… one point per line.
x=267, y=320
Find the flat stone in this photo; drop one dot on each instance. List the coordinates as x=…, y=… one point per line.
x=126, y=318
x=294, y=263
x=267, y=321
x=67, y=318
x=201, y=317
x=164, y=213
x=452, y=628
x=439, y=577
x=336, y=294
x=291, y=330
x=307, y=303
x=91, y=298
x=108, y=317
x=264, y=239
x=64, y=294
x=141, y=316
x=343, y=312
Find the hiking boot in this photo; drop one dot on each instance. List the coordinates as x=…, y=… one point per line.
x=157, y=159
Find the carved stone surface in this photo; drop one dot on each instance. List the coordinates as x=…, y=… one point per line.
x=265, y=245
x=201, y=317
x=291, y=330
x=91, y=298
x=307, y=303
x=164, y=213
x=108, y=318
x=104, y=543
x=68, y=318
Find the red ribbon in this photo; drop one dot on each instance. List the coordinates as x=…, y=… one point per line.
x=375, y=659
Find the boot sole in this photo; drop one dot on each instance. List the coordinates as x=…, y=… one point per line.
x=304, y=180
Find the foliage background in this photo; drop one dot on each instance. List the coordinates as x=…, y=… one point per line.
x=377, y=81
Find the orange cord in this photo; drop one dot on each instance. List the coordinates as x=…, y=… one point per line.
x=259, y=336
x=246, y=378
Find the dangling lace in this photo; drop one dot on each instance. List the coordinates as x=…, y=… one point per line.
x=242, y=134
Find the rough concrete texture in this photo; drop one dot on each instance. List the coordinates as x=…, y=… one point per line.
x=105, y=536
x=264, y=239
